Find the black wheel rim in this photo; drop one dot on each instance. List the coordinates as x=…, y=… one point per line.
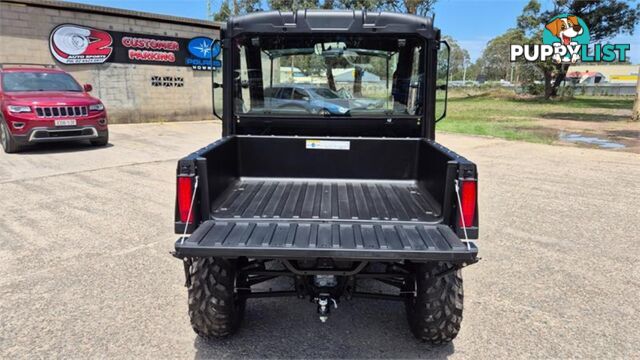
x=240, y=292
x=413, y=288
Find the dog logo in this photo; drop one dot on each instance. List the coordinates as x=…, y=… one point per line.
x=75, y=44
x=566, y=40
x=565, y=30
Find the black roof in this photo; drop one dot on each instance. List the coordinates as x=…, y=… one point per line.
x=331, y=21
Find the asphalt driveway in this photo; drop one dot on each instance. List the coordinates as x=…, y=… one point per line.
x=85, y=269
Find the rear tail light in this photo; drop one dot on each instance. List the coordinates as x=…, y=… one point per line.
x=468, y=199
x=185, y=195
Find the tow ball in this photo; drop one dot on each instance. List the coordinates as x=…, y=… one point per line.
x=324, y=306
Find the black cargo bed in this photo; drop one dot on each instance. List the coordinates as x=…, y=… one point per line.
x=277, y=197
x=293, y=240
x=338, y=200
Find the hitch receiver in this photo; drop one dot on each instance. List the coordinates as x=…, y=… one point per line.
x=324, y=306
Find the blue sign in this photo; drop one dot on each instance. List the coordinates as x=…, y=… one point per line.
x=203, y=53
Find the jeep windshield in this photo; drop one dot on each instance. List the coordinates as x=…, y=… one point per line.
x=323, y=75
x=39, y=81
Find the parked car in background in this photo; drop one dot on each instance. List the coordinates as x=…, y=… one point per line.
x=44, y=104
x=361, y=102
x=314, y=99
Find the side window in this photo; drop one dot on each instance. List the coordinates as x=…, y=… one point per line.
x=285, y=93
x=416, y=79
x=299, y=94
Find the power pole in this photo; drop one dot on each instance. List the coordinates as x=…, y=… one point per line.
x=464, y=71
x=636, y=106
x=512, y=68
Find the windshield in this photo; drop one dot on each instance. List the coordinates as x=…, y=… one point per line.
x=325, y=75
x=38, y=81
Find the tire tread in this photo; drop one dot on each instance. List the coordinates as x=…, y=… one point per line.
x=213, y=310
x=436, y=315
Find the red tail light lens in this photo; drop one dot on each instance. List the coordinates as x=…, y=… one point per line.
x=185, y=194
x=468, y=199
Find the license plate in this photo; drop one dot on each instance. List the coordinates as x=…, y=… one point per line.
x=67, y=122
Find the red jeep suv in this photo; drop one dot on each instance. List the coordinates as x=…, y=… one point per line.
x=43, y=104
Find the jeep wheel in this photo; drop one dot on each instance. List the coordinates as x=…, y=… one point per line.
x=435, y=311
x=8, y=143
x=215, y=308
x=101, y=141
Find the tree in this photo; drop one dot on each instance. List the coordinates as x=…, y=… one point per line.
x=288, y=5
x=459, y=59
x=247, y=6
x=494, y=62
x=328, y=4
x=223, y=13
x=237, y=7
x=606, y=19
x=360, y=4
x=415, y=7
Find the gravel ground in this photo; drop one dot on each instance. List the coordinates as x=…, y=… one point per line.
x=85, y=236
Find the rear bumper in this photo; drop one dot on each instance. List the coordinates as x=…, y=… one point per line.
x=47, y=134
x=344, y=241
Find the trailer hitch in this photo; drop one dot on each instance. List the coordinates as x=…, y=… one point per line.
x=324, y=306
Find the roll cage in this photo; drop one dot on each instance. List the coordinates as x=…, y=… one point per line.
x=327, y=23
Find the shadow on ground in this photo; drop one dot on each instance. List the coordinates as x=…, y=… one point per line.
x=61, y=147
x=271, y=329
x=575, y=116
x=631, y=134
x=602, y=102
x=581, y=102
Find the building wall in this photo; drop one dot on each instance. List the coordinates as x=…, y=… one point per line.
x=125, y=89
x=624, y=73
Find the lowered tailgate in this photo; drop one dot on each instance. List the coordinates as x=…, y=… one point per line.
x=314, y=239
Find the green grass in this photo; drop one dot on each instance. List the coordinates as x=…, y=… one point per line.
x=517, y=119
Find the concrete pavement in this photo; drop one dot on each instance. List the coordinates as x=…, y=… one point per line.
x=85, y=236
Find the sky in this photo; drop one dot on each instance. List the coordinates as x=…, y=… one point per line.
x=471, y=22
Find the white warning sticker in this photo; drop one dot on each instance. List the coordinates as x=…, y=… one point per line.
x=328, y=145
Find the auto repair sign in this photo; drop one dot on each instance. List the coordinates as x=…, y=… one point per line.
x=73, y=44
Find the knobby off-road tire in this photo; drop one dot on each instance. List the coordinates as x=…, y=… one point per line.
x=435, y=313
x=215, y=309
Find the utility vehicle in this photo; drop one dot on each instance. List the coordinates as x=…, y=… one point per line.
x=328, y=202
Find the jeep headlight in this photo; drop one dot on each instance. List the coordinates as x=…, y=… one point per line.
x=96, y=107
x=18, y=109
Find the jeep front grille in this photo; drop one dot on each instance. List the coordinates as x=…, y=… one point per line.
x=61, y=111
